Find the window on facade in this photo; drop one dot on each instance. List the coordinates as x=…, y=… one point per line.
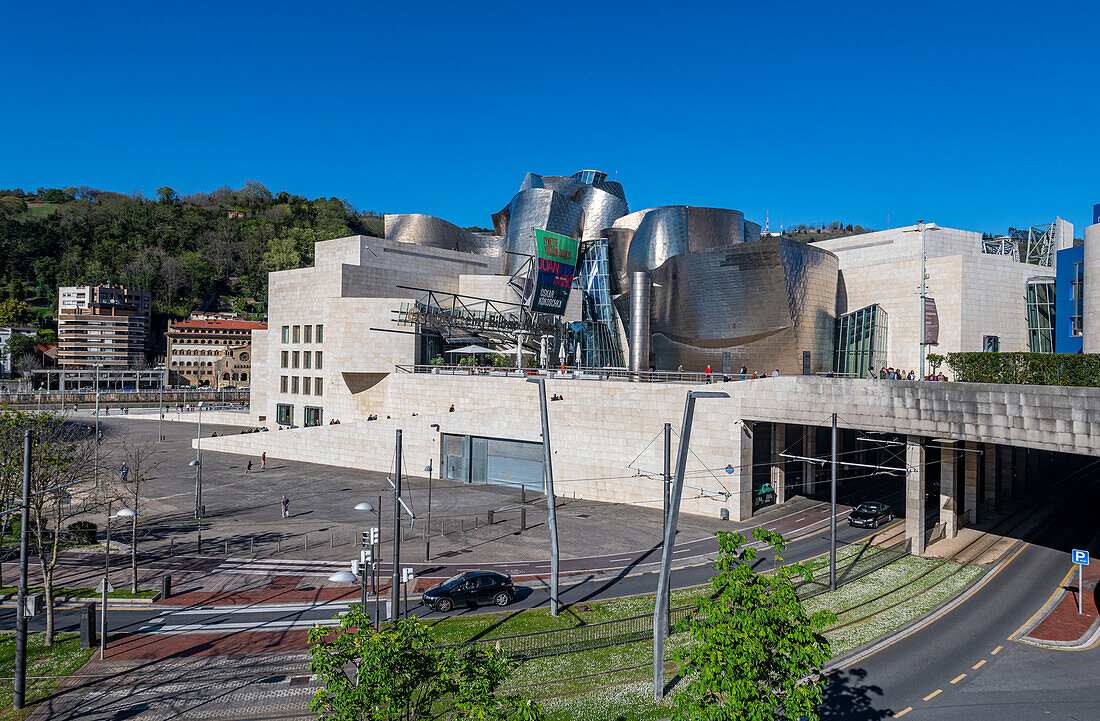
x=294, y=384
x=286, y=334
x=991, y=344
x=317, y=386
x=305, y=385
x=318, y=359
x=1040, y=316
x=296, y=333
x=284, y=414
x=320, y=329
x=283, y=384
x=307, y=334
x=294, y=359
x=312, y=416
x=282, y=359
x=305, y=358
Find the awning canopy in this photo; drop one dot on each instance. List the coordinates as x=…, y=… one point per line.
x=473, y=349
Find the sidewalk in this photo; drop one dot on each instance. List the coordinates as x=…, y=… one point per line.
x=1058, y=624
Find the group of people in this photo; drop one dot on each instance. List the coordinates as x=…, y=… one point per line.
x=557, y=397
x=897, y=374
x=374, y=417
x=261, y=429
x=743, y=373
x=263, y=466
x=334, y=422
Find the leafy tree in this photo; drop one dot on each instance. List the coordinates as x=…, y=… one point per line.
x=757, y=652
x=167, y=196
x=14, y=312
x=18, y=345
x=935, y=360
x=400, y=673
x=46, y=335
x=282, y=254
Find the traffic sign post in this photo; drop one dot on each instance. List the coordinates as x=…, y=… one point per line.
x=1081, y=558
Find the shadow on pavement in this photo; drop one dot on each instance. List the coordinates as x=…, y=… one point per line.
x=848, y=698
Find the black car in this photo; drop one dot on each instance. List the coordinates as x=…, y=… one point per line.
x=470, y=589
x=870, y=515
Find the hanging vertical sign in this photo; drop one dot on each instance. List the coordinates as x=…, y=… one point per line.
x=557, y=260
x=931, y=322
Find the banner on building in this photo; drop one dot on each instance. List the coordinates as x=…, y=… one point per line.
x=557, y=260
x=931, y=322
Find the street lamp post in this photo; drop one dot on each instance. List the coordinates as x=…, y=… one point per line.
x=921, y=228
x=370, y=563
x=197, y=463
x=428, y=531
x=95, y=465
x=106, y=586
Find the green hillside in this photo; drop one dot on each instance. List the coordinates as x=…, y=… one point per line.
x=208, y=250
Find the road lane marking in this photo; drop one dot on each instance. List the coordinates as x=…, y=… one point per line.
x=904, y=711
x=958, y=678
x=933, y=695
x=996, y=651
x=979, y=664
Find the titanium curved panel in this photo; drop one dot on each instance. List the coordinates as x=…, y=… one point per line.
x=763, y=303
x=435, y=232
x=538, y=208
x=672, y=230
x=601, y=209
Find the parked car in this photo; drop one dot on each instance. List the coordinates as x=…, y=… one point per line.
x=870, y=515
x=470, y=589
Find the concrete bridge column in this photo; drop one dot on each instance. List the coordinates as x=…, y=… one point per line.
x=970, y=483
x=809, y=450
x=1005, y=457
x=949, y=492
x=779, y=464
x=742, y=504
x=914, y=495
x=992, y=456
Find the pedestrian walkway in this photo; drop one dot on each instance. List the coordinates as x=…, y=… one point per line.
x=1059, y=624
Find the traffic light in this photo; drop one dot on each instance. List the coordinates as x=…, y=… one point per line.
x=366, y=539
x=373, y=536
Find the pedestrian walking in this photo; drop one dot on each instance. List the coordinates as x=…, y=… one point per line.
x=775, y=373
x=263, y=460
x=744, y=372
x=249, y=468
x=124, y=472
x=285, y=503
x=707, y=371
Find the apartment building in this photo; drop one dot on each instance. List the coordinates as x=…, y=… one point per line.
x=212, y=349
x=104, y=325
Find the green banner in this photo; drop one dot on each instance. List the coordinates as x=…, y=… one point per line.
x=557, y=259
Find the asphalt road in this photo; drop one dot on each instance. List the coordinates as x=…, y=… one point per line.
x=962, y=666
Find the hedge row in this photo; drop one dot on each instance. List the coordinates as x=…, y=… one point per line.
x=1048, y=369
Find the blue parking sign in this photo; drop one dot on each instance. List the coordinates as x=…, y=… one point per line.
x=1081, y=556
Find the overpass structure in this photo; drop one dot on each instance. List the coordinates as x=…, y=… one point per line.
x=980, y=444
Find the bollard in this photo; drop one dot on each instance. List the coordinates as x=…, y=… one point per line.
x=88, y=626
x=523, y=519
x=171, y=546
x=251, y=545
x=305, y=543
x=331, y=540
x=442, y=528
x=227, y=548
x=165, y=586
x=279, y=541
x=490, y=517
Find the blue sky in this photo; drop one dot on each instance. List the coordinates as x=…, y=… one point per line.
x=971, y=114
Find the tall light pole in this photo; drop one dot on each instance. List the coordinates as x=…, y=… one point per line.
x=551, y=499
x=95, y=465
x=197, y=463
x=21, y=606
x=832, y=516
x=395, y=582
x=122, y=513
x=428, y=531
x=921, y=228
x=160, y=403
x=661, y=607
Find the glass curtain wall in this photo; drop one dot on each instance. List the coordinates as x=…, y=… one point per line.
x=1040, y=316
x=861, y=341
x=600, y=346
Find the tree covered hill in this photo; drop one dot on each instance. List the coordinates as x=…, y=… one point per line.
x=206, y=250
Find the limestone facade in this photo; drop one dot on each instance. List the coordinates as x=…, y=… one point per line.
x=976, y=294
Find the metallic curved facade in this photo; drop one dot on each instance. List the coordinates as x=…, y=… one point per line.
x=762, y=302
x=435, y=232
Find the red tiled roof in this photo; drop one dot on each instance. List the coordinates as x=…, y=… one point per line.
x=227, y=324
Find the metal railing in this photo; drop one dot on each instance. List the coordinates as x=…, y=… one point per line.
x=577, y=373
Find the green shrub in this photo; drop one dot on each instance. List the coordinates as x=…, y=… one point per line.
x=1049, y=369
x=82, y=532
x=437, y=361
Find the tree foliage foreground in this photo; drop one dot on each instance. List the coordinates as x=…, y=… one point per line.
x=756, y=653
x=401, y=673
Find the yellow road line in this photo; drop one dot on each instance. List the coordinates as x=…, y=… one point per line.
x=904, y=711
x=996, y=651
x=979, y=664
x=933, y=695
x=1044, y=607
x=958, y=678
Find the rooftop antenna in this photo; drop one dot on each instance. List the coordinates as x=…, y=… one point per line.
x=767, y=221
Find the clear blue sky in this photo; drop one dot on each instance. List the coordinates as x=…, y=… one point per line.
x=976, y=115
